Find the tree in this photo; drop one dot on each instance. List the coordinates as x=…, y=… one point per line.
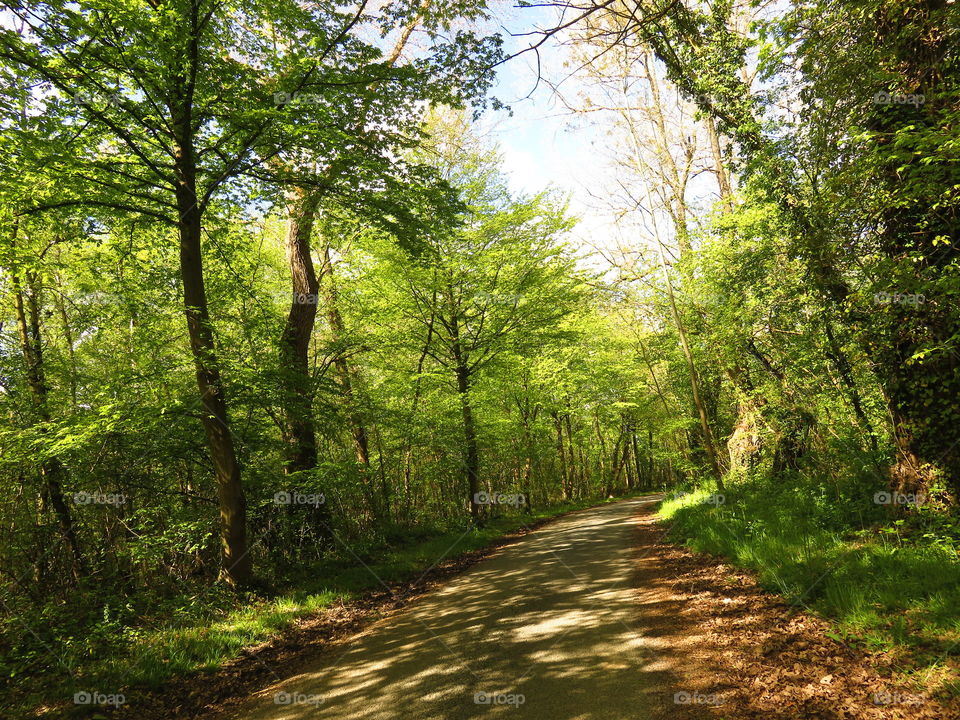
x=358, y=174
x=499, y=281
x=186, y=95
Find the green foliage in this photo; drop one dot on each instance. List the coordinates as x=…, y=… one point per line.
x=801, y=336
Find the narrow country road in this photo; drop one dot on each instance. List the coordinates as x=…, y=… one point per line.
x=549, y=627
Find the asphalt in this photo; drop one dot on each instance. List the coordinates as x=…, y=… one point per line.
x=548, y=628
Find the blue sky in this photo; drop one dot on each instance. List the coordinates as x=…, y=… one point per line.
x=542, y=143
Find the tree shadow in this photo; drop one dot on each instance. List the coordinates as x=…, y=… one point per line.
x=551, y=627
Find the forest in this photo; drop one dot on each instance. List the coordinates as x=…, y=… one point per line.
x=278, y=327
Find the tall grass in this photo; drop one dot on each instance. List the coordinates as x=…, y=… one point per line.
x=888, y=581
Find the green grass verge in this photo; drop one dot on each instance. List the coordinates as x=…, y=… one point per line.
x=889, y=584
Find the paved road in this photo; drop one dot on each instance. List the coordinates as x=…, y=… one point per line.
x=548, y=629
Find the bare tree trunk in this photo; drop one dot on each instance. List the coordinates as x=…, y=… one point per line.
x=561, y=453
x=621, y=449
x=300, y=430
x=527, y=415
x=614, y=473
x=603, y=449
x=675, y=180
x=471, y=450
x=572, y=465
x=723, y=178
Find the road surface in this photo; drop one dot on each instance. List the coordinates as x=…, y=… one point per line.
x=548, y=628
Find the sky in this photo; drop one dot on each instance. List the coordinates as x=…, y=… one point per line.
x=542, y=143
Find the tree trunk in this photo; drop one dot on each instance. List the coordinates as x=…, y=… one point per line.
x=237, y=565
x=527, y=415
x=51, y=469
x=358, y=430
x=471, y=451
x=709, y=444
x=633, y=477
x=723, y=178
x=414, y=405
x=300, y=429
x=840, y=361
x=637, y=462
x=572, y=465
x=603, y=450
x=621, y=449
x=561, y=452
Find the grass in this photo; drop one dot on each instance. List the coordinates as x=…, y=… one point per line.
x=202, y=633
x=888, y=583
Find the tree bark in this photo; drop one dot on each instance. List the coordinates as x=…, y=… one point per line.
x=300, y=429
x=237, y=566
x=561, y=452
x=471, y=450
x=414, y=404
x=638, y=465
x=345, y=378
x=527, y=415
x=603, y=451
x=842, y=363
x=723, y=178
x=709, y=444
x=572, y=466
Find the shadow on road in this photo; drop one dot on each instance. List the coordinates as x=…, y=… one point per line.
x=553, y=627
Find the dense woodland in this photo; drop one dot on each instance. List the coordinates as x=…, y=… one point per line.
x=269, y=307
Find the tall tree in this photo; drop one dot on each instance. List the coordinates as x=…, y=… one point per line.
x=187, y=94
x=498, y=281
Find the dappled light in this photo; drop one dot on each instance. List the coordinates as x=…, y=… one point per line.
x=451, y=358
x=555, y=619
